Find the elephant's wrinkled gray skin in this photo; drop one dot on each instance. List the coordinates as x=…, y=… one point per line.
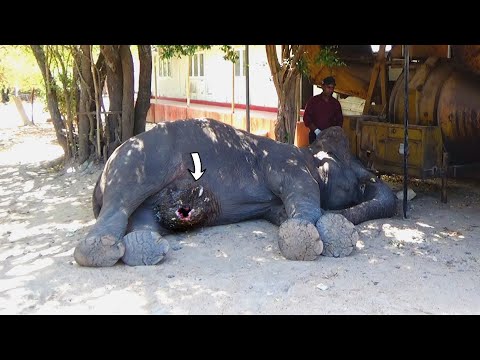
x=146, y=188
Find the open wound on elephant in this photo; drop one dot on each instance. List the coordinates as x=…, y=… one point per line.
x=183, y=213
x=184, y=209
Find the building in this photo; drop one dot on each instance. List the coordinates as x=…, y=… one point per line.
x=207, y=85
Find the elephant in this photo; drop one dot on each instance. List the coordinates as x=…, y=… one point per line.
x=148, y=189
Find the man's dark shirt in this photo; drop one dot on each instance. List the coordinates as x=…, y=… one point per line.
x=323, y=114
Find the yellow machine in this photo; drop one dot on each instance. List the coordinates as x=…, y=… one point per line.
x=380, y=146
x=444, y=107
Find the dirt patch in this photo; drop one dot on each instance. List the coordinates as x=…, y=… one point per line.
x=427, y=264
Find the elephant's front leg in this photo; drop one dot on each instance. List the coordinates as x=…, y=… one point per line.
x=299, y=240
x=299, y=237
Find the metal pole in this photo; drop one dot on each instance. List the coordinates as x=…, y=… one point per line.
x=405, y=137
x=233, y=88
x=155, y=74
x=189, y=68
x=247, y=87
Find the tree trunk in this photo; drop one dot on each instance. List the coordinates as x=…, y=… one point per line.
x=115, y=95
x=77, y=93
x=284, y=75
x=102, y=71
x=52, y=100
x=144, y=88
x=128, y=92
x=285, y=126
x=86, y=101
x=98, y=95
x=21, y=110
x=69, y=91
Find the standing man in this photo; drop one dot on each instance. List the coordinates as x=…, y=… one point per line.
x=323, y=110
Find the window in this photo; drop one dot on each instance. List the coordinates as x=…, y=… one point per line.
x=240, y=64
x=196, y=65
x=164, y=68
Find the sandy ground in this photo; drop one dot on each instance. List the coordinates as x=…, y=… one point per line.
x=427, y=264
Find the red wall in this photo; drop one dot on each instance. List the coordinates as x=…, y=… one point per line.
x=260, y=123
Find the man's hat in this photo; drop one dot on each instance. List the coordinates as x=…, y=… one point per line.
x=329, y=80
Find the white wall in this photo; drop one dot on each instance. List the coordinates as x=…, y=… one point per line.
x=173, y=86
x=216, y=85
x=262, y=89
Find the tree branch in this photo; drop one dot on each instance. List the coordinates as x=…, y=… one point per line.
x=285, y=52
x=298, y=51
x=274, y=66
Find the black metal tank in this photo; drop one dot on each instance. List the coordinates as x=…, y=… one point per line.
x=446, y=94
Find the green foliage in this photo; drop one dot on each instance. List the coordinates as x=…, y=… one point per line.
x=230, y=53
x=328, y=56
x=170, y=51
x=18, y=68
x=302, y=66
x=61, y=62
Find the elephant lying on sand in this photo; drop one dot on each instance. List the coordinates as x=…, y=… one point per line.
x=146, y=190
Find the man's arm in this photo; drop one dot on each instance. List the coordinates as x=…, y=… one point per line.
x=339, y=115
x=308, y=117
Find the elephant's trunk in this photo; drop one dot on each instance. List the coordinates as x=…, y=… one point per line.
x=379, y=202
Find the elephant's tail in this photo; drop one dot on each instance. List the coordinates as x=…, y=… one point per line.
x=97, y=198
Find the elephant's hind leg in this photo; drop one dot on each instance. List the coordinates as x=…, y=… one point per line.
x=130, y=179
x=144, y=244
x=99, y=251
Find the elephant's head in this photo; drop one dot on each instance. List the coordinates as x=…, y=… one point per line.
x=342, y=177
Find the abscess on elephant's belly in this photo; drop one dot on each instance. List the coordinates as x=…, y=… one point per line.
x=184, y=209
x=184, y=212
x=187, y=214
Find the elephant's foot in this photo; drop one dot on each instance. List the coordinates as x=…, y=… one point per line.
x=339, y=235
x=299, y=240
x=144, y=248
x=98, y=251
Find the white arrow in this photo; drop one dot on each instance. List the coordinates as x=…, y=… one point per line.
x=197, y=163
